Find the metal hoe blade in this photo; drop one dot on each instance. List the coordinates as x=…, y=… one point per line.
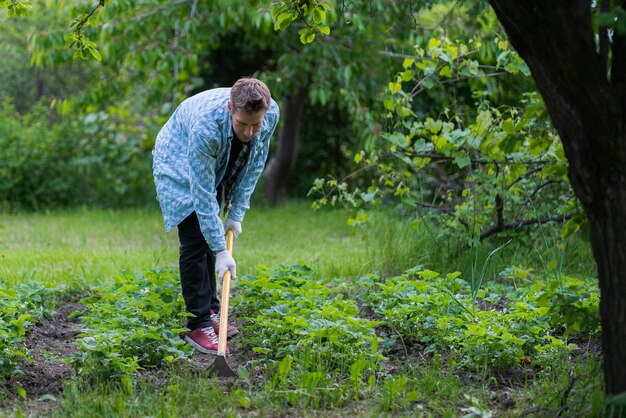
x=220, y=368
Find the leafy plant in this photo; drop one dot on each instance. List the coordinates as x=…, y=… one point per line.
x=496, y=325
x=309, y=335
x=396, y=393
x=131, y=325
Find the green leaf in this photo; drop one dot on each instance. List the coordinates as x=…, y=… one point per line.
x=508, y=126
x=396, y=138
x=394, y=87
x=445, y=72
x=307, y=36
x=94, y=53
x=570, y=228
x=407, y=75
x=282, y=21
x=428, y=274
x=284, y=366
x=462, y=161
x=318, y=15
x=278, y=9
x=434, y=126
x=434, y=43
x=244, y=401
x=243, y=373
x=21, y=392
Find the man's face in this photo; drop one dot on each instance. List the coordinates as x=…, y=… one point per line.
x=245, y=124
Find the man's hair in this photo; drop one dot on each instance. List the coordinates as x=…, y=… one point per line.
x=250, y=95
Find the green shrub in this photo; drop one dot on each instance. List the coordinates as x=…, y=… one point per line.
x=52, y=162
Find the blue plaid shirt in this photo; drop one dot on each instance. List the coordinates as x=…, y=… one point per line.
x=190, y=157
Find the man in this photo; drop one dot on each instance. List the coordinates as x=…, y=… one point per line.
x=210, y=153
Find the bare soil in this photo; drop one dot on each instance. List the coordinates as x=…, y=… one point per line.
x=48, y=343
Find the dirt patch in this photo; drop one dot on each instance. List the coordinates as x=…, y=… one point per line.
x=587, y=347
x=500, y=305
x=48, y=343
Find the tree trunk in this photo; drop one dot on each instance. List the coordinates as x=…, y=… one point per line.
x=283, y=161
x=588, y=110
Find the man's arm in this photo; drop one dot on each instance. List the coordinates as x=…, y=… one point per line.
x=202, y=155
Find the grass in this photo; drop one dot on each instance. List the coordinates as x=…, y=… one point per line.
x=86, y=247
x=394, y=245
x=440, y=393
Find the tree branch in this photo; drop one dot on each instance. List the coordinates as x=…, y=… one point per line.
x=520, y=178
x=439, y=157
x=516, y=225
x=81, y=23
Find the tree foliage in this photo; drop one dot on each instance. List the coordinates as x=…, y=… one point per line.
x=488, y=164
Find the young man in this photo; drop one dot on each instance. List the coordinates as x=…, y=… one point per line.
x=210, y=153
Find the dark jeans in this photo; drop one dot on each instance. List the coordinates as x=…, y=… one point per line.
x=197, y=273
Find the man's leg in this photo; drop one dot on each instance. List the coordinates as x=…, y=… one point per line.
x=198, y=285
x=210, y=265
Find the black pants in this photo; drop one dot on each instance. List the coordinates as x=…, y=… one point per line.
x=197, y=273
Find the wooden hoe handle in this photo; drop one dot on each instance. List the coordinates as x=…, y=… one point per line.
x=221, y=342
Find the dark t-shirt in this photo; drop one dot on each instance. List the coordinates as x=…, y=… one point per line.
x=237, y=147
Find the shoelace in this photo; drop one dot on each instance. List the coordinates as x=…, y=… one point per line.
x=208, y=331
x=215, y=318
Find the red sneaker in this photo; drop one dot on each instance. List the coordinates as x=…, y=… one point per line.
x=203, y=340
x=215, y=321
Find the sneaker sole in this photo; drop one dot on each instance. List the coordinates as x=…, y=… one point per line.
x=199, y=347
x=232, y=333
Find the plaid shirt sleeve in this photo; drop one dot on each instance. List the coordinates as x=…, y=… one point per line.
x=203, y=155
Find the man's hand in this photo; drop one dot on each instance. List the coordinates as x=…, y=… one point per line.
x=224, y=262
x=234, y=225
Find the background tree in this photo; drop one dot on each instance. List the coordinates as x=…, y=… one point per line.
x=341, y=74
x=585, y=93
x=463, y=135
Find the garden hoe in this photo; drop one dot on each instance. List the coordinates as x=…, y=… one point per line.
x=219, y=367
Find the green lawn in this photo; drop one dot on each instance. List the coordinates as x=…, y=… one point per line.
x=87, y=247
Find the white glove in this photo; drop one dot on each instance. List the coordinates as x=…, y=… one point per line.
x=224, y=262
x=234, y=225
